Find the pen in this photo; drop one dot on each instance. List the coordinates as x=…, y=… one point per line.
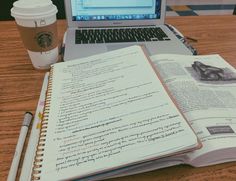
x=192, y=39
x=19, y=147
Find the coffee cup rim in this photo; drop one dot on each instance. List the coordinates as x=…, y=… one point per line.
x=36, y=15
x=27, y=9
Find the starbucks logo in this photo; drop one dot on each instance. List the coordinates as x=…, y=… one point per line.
x=44, y=39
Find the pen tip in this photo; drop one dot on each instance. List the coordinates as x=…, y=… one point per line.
x=27, y=112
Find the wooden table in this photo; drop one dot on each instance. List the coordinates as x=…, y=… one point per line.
x=20, y=87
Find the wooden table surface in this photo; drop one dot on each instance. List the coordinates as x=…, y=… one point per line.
x=20, y=86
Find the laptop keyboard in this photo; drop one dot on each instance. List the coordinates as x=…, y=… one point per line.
x=87, y=36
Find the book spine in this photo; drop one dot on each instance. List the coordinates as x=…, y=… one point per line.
x=36, y=170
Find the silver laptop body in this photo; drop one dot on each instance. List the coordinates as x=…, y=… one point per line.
x=117, y=14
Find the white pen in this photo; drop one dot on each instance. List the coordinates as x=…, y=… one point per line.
x=19, y=147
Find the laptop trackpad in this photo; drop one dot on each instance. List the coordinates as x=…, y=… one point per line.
x=115, y=47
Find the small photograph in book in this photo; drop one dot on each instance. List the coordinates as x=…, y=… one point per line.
x=220, y=129
x=211, y=74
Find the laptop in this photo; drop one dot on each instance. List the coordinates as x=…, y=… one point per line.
x=98, y=26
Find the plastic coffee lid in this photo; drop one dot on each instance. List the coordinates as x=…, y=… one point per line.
x=27, y=9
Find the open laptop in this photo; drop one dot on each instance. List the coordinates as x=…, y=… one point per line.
x=92, y=22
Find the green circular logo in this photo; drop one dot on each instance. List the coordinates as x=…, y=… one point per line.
x=44, y=39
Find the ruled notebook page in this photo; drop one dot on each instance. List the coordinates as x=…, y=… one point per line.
x=109, y=111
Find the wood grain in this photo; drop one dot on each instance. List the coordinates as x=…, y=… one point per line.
x=20, y=86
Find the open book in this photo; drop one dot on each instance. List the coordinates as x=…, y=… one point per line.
x=204, y=88
x=106, y=113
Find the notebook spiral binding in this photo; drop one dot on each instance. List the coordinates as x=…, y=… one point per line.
x=36, y=170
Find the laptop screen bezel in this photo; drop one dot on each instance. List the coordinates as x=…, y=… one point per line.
x=110, y=23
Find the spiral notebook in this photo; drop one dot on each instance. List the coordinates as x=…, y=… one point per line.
x=107, y=112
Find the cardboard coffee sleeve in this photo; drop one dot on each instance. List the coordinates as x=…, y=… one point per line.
x=39, y=39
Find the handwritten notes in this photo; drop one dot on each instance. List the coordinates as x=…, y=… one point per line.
x=110, y=108
x=75, y=151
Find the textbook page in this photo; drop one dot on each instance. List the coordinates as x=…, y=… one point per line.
x=205, y=90
x=108, y=111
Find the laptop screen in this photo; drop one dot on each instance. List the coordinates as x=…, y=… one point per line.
x=100, y=10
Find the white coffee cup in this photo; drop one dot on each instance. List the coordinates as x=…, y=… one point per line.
x=36, y=22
